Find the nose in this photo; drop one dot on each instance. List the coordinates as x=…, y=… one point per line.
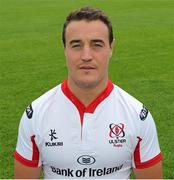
x=86, y=54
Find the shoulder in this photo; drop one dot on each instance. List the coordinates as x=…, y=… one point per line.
x=47, y=97
x=42, y=102
x=125, y=98
x=130, y=103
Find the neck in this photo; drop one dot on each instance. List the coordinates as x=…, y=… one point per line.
x=87, y=94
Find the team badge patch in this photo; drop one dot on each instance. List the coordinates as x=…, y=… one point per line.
x=29, y=111
x=143, y=113
x=117, y=135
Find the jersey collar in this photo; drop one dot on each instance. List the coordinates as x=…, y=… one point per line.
x=79, y=105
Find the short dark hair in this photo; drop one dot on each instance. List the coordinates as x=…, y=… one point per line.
x=88, y=14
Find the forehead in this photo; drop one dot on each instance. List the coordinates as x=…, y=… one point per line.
x=86, y=30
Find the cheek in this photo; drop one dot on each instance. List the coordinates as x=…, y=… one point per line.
x=69, y=57
x=104, y=60
x=71, y=61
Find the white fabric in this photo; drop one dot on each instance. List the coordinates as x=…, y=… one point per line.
x=102, y=152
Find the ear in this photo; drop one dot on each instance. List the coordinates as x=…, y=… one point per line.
x=66, y=58
x=113, y=44
x=65, y=52
x=112, y=47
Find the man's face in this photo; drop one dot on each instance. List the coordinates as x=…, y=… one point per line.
x=87, y=52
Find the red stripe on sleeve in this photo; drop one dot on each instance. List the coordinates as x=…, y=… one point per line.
x=149, y=163
x=35, y=156
x=137, y=152
x=24, y=161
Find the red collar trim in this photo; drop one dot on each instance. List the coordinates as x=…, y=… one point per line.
x=79, y=105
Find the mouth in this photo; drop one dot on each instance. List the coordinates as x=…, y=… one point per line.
x=86, y=67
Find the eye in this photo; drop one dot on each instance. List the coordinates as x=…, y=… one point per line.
x=97, y=45
x=75, y=46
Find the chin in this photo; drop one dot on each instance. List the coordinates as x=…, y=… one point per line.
x=87, y=83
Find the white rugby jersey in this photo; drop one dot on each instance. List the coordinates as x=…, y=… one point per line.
x=114, y=134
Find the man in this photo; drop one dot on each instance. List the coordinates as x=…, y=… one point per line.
x=87, y=127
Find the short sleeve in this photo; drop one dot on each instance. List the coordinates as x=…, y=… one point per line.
x=27, y=151
x=147, y=151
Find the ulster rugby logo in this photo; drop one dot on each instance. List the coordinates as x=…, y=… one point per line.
x=116, y=130
x=117, y=134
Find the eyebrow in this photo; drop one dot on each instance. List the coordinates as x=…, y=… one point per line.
x=93, y=41
x=97, y=41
